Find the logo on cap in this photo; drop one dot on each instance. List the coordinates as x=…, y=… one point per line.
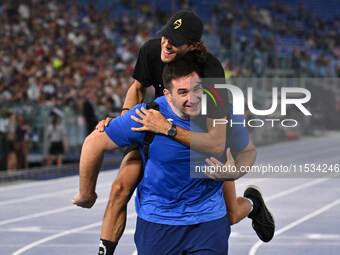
x=177, y=23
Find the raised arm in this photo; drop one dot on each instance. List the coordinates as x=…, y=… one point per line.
x=212, y=142
x=91, y=159
x=134, y=96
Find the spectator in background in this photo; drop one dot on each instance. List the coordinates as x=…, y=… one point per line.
x=51, y=51
x=338, y=70
x=296, y=59
x=111, y=108
x=322, y=60
x=258, y=65
x=57, y=135
x=12, y=163
x=89, y=114
x=228, y=72
x=21, y=140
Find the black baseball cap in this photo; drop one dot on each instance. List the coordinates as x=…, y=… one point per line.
x=182, y=28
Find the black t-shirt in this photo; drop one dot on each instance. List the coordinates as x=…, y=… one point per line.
x=149, y=67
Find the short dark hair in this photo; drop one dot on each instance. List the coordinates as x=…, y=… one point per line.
x=179, y=68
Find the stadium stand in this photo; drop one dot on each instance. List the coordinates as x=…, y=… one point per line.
x=58, y=53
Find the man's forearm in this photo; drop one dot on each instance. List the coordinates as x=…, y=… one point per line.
x=206, y=142
x=196, y=140
x=246, y=158
x=243, y=160
x=212, y=142
x=134, y=96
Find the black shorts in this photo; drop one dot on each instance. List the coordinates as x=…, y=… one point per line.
x=131, y=147
x=56, y=148
x=10, y=146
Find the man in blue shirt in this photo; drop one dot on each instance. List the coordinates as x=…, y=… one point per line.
x=176, y=214
x=180, y=37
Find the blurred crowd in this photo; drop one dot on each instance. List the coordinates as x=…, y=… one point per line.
x=58, y=52
x=17, y=133
x=73, y=54
x=266, y=34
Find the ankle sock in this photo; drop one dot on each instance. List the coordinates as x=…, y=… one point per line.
x=255, y=206
x=106, y=247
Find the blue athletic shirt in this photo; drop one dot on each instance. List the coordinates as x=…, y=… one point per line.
x=167, y=194
x=239, y=138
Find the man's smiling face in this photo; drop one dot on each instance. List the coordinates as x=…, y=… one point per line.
x=171, y=52
x=185, y=96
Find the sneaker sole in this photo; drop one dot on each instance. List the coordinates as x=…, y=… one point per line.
x=258, y=194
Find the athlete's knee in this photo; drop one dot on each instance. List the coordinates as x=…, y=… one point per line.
x=120, y=190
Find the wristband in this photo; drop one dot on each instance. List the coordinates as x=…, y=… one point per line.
x=125, y=109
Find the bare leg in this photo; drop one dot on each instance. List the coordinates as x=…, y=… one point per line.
x=59, y=159
x=129, y=175
x=24, y=156
x=20, y=157
x=12, y=161
x=237, y=207
x=49, y=160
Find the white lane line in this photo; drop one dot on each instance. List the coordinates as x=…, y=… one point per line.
x=38, y=229
x=291, y=190
x=49, y=212
x=49, y=238
x=64, y=233
x=322, y=237
x=46, y=182
x=71, y=207
x=21, y=185
x=23, y=229
x=294, y=189
x=46, y=195
x=295, y=223
x=38, y=183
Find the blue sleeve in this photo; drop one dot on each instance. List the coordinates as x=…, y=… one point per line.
x=119, y=129
x=239, y=139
